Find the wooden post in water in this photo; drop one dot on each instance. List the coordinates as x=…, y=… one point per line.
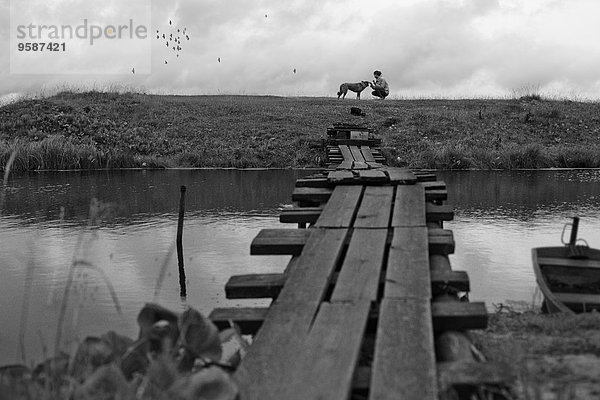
x=183, y=291
x=574, y=228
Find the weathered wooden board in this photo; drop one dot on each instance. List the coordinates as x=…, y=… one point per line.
x=313, y=182
x=358, y=165
x=341, y=207
x=441, y=241
x=436, y=195
x=459, y=315
x=404, y=361
x=366, y=153
x=434, y=185
x=346, y=153
x=280, y=241
x=263, y=373
x=311, y=194
x=407, y=272
x=357, y=154
x=568, y=262
x=310, y=214
x=340, y=177
x=375, y=208
x=255, y=286
x=368, y=176
x=291, y=241
x=346, y=164
x=409, y=206
x=401, y=176
x=360, y=275
x=446, y=316
x=300, y=214
x=324, y=369
x=444, y=212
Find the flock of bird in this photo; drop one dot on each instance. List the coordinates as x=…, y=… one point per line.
x=173, y=40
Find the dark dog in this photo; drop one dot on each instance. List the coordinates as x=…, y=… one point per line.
x=354, y=87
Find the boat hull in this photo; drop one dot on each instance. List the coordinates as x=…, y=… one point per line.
x=569, y=281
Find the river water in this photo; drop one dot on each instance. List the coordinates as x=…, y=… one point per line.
x=128, y=247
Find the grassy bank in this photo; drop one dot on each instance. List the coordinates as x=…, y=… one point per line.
x=552, y=356
x=111, y=130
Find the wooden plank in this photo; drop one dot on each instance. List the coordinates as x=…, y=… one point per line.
x=565, y=262
x=262, y=373
x=341, y=207
x=459, y=315
x=407, y=272
x=254, y=286
x=356, y=154
x=358, y=165
x=366, y=153
x=325, y=368
x=361, y=270
x=443, y=212
x=300, y=214
x=436, y=195
x=446, y=316
x=279, y=241
x=291, y=241
x=434, y=185
x=309, y=215
x=426, y=178
x=375, y=208
x=345, y=165
x=409, y=206
x=401, y=176
x=457, y=280
x=346, y=153
x=376, y=165
x=372, y=176
x=311, y=194
x=337, y=177
x=404, y=360
x=313, y=182
x=257, y=286
x=355, y=142
x=441, y=241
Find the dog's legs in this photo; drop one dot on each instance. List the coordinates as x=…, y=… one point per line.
x=358, y=96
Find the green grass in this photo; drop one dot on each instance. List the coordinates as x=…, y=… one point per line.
x=88, y=130
x=553, y=355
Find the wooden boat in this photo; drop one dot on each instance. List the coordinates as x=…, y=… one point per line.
x=568, y=276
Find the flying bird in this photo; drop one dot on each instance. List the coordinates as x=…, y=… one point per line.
x=170, y=22
x=166, y=62
x=219, y=59
x=294, y=70
x=164, y=37
x=133, y=70
x=265, y=15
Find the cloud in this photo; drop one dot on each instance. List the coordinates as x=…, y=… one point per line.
x=424, y=47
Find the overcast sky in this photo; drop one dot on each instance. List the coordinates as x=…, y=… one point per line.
x=441, y=48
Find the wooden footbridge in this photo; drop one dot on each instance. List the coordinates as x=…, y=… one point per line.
x=368, y=306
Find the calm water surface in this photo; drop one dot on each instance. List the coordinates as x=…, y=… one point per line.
x=44, y=226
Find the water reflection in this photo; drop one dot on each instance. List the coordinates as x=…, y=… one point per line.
x=500, y=216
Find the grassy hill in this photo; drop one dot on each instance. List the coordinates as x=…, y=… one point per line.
x=111, y=130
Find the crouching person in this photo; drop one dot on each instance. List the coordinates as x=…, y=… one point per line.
x=380, y=86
